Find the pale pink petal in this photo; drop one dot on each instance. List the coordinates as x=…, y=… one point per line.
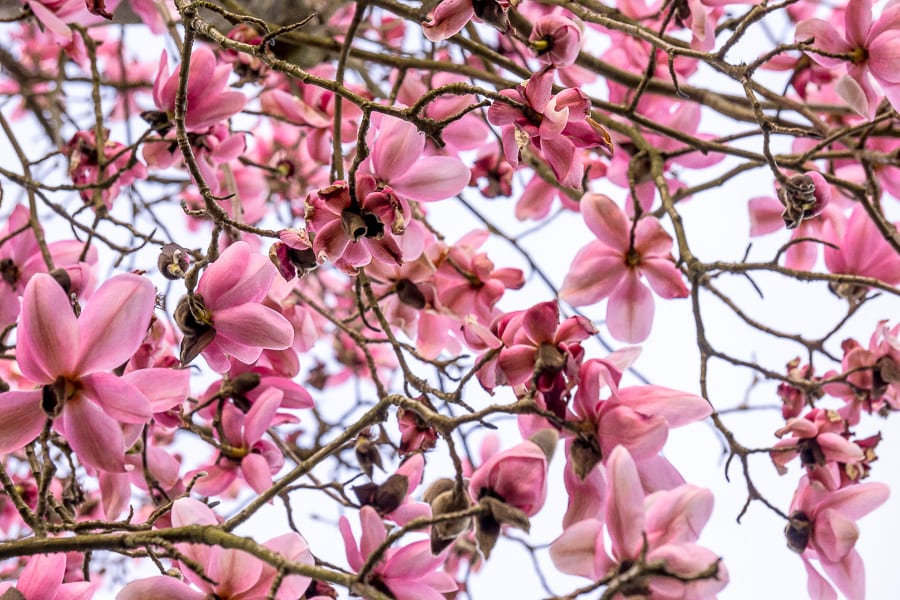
x=625, y=505
x=52, y=22
x=398, y=145
x=115, y=491
x=164, y=388
x=858, y=500
x=118, y=398
x=254, y=325
x=857, y=21
x=21, y=419
x=606, y=220
x=48, y=331
x=816, y=585
x=115, y=321
x=825, y=37
x=678, y=516
x=449, y=18
x=352, y=551
x=629, y=314
x=679, y=408
x=403, y=589
x=856, y=96
x=517, y=363
x=665, y=279
x=596, y=271
x=848, y=575
x=223, y=275
x=587, y=498
x=95, y=437
x=233, y=570
x=412, y=561
x=159, y=588
x=261, y=414
x=643, y=435
x=433, y=178
x=579, y=550
x=834, y=534
x=373, y=532
x=765, y=215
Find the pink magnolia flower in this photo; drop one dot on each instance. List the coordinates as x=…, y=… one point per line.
x=71, y=358
x=410, y=573
x=21, y=258
x=42, y=579
x=555, y=125
x=208, y=102
x=236, y=574
x=84, y=168
x=245, y=453
x=668, y=522
x=451, y=16
x=871, y=47
x=225, y=316
x=517, y=477
x=861, y=250
x=556, y=39
x=54, y=14
x=820, y=439
x=612, y=266
x=823, y=527
x=397, y=162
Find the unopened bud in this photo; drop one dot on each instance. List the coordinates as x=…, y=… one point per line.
x=173, y=261
x=367, y=455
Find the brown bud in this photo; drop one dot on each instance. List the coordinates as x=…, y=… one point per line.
x=549, y=359
x=440, y=495
x=384, y=498
x=53, y=397
x=410, y=295
x=584, y=457
x=546, y=440
x=798, y=531
x=367, y=455
x=63, y=279
x=173, y=261
x=488, y=526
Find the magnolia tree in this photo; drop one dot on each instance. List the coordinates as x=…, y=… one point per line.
x=258, y=283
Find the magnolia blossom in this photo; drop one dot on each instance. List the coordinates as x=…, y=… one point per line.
x=410, y=573
x=871, y=47
x=228, y=574
x=667, y=522
x=71, y=359
x=225, y=318
x=614, y=264
x=208, y=101
x=42, y=579
x=823, y=527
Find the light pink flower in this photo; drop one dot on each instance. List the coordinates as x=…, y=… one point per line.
x=410, y=572
x=612, y=266
x=208, y=101
x=237, y=575
x=873, y=48
x=517, y=477
x=823, y=527
x=71, y=358
x=861, y=249
x=669, y=522
x=227, y=317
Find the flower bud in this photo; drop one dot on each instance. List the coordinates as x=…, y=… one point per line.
x=173, y=261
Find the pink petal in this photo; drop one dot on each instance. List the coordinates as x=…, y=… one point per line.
x=848, y=575
x=606, y=220
x=412, y=561
x=48, y=331
x=665, y=279
x=517, y=363
x=765, y=215
x=629, y=314
x=857, y=21
x=164, y=388
x=261, y=414
x=449, y=18
x=433, y=178
x=858, y=500
x=115, y=321
x=825, y=37
x=118, y=398
x=42, y=575
x=678, y=516
x=397, y=147
x=834, y=535
x=235, y=571
x=95, y=437
x=579, y=549
x=678, y=408
x=596, y=271
x=254, y=325
x=373, y=533
x=816, y=585
x=643, y=435
x=625, y=505
x=159, y=588
x=21, y=419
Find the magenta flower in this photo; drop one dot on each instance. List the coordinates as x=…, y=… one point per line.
x=208, y=102
x=614, y=264
x=871, y=48
x=556, y=40
x=409, y=572
x=556, y=126
x=451, y=16
x=237, y=575
x=225, y=317
x=71, y=358
x=669, y=522
x=823, y=527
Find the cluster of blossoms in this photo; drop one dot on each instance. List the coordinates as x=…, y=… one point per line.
x=310, y=330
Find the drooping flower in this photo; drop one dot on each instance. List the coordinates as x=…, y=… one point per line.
x=410, y=572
